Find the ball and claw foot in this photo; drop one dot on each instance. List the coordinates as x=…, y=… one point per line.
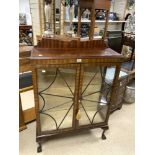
x=39, y=149
x=119, y=108
x=103, y=135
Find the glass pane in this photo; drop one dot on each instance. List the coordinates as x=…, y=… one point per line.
x=118, y=89
x=56, y=92
x=95, y=95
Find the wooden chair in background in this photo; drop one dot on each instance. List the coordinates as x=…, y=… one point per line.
x=128, y=39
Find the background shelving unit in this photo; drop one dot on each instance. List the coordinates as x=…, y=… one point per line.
x=97, y=21
x=117, y=6
x=38, y=25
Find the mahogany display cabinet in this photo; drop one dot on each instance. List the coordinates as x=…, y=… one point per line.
x=70, y=86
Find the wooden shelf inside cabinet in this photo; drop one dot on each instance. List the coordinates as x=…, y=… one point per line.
x=70, y=91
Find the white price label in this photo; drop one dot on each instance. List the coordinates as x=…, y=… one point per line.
x=79, y=60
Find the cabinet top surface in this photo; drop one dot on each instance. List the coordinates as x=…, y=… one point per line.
x=45, y=53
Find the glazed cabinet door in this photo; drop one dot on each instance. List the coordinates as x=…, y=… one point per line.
x=56, y=97
x=95, y=94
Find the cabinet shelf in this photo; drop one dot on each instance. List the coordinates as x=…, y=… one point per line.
x=97, y=21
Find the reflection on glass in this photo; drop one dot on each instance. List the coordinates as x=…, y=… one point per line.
x=56, y=92
x=95, y=96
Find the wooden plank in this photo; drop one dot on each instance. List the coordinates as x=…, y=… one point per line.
x=22, y=125
x=29, y=115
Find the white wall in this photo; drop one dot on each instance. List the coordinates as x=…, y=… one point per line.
x=24, y=7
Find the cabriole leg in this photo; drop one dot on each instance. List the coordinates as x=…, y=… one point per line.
x=39, y=148
x=103, y=135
